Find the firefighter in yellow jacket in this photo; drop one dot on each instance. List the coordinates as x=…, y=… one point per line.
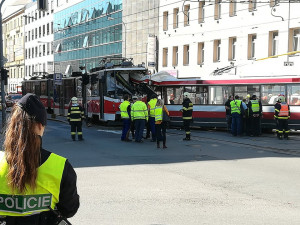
x=75, y=117
x=282, y=115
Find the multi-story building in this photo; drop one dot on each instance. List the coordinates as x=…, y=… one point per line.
x=213, y=38
x=39, y=58
x=13, y=48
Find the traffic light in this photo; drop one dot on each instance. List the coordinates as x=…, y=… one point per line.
x=85, y=79
x=4, y=76
x=42, y=5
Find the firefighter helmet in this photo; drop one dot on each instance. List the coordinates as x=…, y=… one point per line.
x=281, y=99
x=186, y=94
x=74, y=100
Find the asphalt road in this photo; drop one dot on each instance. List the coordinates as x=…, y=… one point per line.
x=214, y=179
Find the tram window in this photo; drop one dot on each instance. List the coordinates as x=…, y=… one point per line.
x=37, y=89
x=174, y=95
x=68, y=90
x=28, y=88
x=201, y=95
x=293, y=94
x=218, y=94
x=43, y=87
x=270, y=93
x=245, y=91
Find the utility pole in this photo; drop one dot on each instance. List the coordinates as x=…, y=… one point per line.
x=2, y=69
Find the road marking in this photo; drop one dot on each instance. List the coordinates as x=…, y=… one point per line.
x=111, y=131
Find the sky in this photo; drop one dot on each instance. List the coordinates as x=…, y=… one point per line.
x=10, y=6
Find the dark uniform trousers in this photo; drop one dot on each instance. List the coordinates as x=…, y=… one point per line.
x=254, y=125
x=76, y=127
x=283, y=127
x=187, y=128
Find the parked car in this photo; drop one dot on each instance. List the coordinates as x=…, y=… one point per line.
x=12, y=99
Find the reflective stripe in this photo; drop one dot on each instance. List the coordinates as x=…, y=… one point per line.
x=76, y=112
x=188, y=132
x=187, y=118
x=74, y=120
x=73, y=133
x=80, y=133
x=139, y=111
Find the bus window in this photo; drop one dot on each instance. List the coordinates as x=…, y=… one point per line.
x=219, y=94
x=293, y=94
x=270, y=93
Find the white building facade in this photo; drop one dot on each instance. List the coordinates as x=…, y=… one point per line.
x=229, y=38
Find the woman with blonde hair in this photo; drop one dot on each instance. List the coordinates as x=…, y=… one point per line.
x=34, y=183
x=160, y=124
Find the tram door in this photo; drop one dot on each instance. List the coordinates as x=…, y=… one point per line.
x=102, y=88
x=60, y=98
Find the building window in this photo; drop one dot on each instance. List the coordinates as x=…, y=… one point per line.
x=186, y=15
x=273, y=43
x=200, y=58
x=175, y=17
x=232, y=48
x=36, y=52
x=165, y=21
x=175, y=56
x=44, y=31
x=232, y=8
x=48, y=30
x=217, y=9
x=165, y=57
x=32, y=34
x=86, y=42
x=274, y=3
x=294, y=39
x=51, y=27
x=251, y=46
x=201, y=12
x=217, y=50
x=25, y=53
x=40, y=31
x=48, y=48
x=186, y=55
x=36, y=32
x=44, y=50
x=252, y=5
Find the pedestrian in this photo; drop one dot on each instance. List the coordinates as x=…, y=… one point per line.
x=228, y=113
x=187, y=115
x=160, y=124
x=33, y=179
x=237, y=112
x=245, y=118
x=75, y=117
x=125, y=115
x=172, y=99
x=282, y=115
x=151, y=107
x=255, y=113
x=139, y=114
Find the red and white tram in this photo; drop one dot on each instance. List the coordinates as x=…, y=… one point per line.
x=209, y=97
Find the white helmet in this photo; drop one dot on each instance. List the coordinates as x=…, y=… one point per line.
x=74, y=100
x=281, y=99
x=186, y=94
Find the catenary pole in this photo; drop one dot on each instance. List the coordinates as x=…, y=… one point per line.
x=2, y=67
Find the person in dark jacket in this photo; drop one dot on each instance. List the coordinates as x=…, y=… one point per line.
x=255, y=113
x=228, y=113
x=38, y=179
x=75, y=117
x=187, y=115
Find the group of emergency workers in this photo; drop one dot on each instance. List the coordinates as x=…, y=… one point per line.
x=155, y=115
x=246, y=117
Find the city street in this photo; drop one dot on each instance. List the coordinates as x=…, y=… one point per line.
x=214, y=179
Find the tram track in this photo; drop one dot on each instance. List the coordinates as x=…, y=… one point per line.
x=241, y=144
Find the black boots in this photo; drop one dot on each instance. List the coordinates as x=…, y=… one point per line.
x=187, y=137
x=158, y=144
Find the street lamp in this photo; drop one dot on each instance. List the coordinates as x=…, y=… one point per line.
x=110, y=18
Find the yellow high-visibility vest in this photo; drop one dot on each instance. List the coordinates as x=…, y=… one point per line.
x=235, y=106
x=152, y=104
x=139, y=111
x=32, y=201
x=158, y=113
x=123, y=108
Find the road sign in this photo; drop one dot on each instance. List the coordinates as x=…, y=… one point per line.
x=288, y=63
x=58, y=78
x=151, y=64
